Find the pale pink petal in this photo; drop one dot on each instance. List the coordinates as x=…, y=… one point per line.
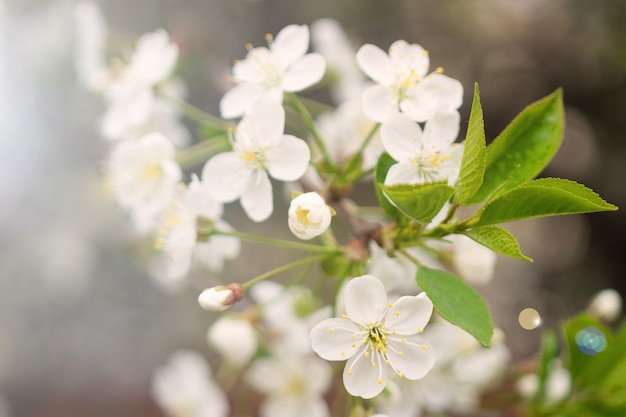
x=291, y=43
x=441, y=130
x=226, y=176
x=379, y=102
x=376, y=64
x=263, y=125
x=411, y=355
x=365, y=299
x=335, y=339
x=304, y=73
x=257, y=199
x=401, y=137
x=365, y=376
x=409, y=314
x=289, y=160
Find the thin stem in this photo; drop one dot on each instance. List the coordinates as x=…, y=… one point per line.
x=410, y=257
x=368, y=138
x=297, y=105
x=278, y=242
x=282, y=269
x=201, y=151
x=198, y=114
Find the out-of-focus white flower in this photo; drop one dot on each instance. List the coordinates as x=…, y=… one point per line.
x=403, y=83
x=90, y=48
x=144, y=177
x=294, y=386
x=374, y=336
x=558, y=383
x=260, y=147
x=131, y=94
x=423, y=156
x=472, y=261
x=309, y=216
x=179, y=233
x=234, y=338
x=606, y=305
x=268, y=72
x=330, y=40
x=220, y=298
x=184, y=387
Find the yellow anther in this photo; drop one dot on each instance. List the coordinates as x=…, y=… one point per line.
x=366, y=354
x=425, y=52
x=420, y=330
x=394, y=333
x=400, y=374
x=349, y=372
x=380, y=381
x=343, y=316
x=331, y=330
x=374, y=364
x=387, y=361
x=397, y=313
x=354, y=336
x=303, y=217
x=389, y=305
x=342, y=353
x=424, y=347
x=400, y=353
x=354, y=345
x=249, y=46
x=439, y=70
x=403, y=340
x=269, y=37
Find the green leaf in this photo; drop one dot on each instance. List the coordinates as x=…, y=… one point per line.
x=540, y=198
x=498, y=240
x=531, y=140
x=421, y=202
x=549, y=351
x=474, y=154
x=385, y=161
x=457, y=302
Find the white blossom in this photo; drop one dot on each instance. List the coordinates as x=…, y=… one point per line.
x=375, y=337
x=472, y=261
x=294, y=386
x=423, y=156
x=144, y=177
x=259, y=147
x=268, y=72
x=309, y=216
x=606, y=305
x=220, y=298
x=403, y=83
x=184, y=387
x=234, y=338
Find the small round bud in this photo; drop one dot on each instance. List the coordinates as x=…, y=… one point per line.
x=309, y=216
x=606, y=305
x=220, y=298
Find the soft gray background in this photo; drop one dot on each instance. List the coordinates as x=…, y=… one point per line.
x=82, y=324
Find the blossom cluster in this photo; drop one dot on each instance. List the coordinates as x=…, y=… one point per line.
x=280, y=339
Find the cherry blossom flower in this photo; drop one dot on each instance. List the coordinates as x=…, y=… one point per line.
x=234, y=338
x=403, y=83
x=471, y=260
x=178, y=235
x=294, y=385
x=376, y=336
x=309, y=216
x=423, y=156
x=184, y=387
x=144, y=177
x=268, y=72
x=260, y=147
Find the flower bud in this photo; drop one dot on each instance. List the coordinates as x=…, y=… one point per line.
x=606, y=305
x=220, y=298
x=309, y=216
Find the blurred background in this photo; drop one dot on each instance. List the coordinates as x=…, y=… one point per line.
x=83, y=324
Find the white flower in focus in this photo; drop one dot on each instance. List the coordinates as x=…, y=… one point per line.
x=234, y=338
x=178, y=239
x=144, y=176
x=131, y=95
x=472, y=261
x=260, y=147
x=403, y=83
x=423, y=156
x=90, y=48
x=220, y=298
x=184, y=387
x=309, y=216
x=376, y=336
x=268, y=72
x=330, y=40
x=606, y=305
x=294, y=386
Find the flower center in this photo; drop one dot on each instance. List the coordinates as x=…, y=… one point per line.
x=429, y=165
x=151, y=172
x=303, y=216
x=405, y=85
x=254, y=158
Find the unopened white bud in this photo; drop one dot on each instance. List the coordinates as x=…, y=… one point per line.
x=220, y=298
x=606, y=305
x=309, y=216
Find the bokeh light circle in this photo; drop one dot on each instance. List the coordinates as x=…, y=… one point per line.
x=529, y=318
x=591, y=341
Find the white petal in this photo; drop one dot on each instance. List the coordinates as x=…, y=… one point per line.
x=441, y=130
x=401, y=137
x=291, y=43
x=417, y=356
x=304, y=73
x=366, y=300
x=447, y=90
x=404, y=173
x=365, y=376
x=289, y=160
x=257, y=199
x=332, y=337
x=409, y=314
x=409, y=58
x=294, y=406
x=263, y=125
x=379, y=102
x=236, y=101
x=226, y=176
x=375, y=63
